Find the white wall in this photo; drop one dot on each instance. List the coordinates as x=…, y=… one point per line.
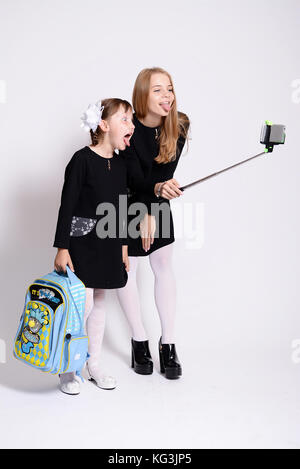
x=234, y=64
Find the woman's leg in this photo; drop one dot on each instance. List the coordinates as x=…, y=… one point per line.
x=165, y=291
x=130, y=302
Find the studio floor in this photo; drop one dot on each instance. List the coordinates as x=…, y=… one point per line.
x=246, y=399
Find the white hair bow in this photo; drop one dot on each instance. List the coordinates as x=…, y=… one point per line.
x=92, y=117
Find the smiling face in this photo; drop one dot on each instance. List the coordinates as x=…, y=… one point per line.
x=161, y=96
x=121, y=128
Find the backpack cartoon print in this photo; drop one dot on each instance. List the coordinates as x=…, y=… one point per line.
x=37, y=318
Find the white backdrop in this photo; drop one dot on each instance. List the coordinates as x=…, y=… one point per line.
x=234, y=64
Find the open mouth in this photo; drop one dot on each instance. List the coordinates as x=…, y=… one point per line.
x=166, y=105
x=127, y=138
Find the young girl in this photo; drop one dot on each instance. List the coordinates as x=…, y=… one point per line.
x=155, y=149
x=95, y=174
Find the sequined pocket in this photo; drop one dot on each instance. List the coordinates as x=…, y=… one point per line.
x=82, y=226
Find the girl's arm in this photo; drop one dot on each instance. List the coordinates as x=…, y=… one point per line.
x=73, y=181
x=125, y=257
x=62, y=259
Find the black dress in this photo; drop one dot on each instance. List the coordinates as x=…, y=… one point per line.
x=143, y=172
x=91, y=179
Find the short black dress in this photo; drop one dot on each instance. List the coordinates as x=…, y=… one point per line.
x=91, y=179
x=143, y=172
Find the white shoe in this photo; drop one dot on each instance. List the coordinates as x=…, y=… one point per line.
x=70, y=384
x=102, y=381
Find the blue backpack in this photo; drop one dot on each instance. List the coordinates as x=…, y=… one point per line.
x=51, y=336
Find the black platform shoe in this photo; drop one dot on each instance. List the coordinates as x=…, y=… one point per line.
x=169, y=363
x=141, y=359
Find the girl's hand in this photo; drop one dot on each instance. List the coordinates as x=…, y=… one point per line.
x=170, y=189
x=125, y=257
x=63, y=259
x=147, y=229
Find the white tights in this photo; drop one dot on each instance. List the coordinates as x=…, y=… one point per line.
x=165, y=300
x=94, y=324
x=164, y=293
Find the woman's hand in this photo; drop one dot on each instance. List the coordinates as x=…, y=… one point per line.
x=63, y=259
x=147, y=229
x=170, y=189
x=125, y=257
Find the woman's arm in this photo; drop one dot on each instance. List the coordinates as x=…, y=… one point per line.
x=146, y=185
x=136, y=177
x=170, y=189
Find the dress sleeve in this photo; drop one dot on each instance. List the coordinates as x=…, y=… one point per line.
x=73, y=181
x=136, y=178
x=167, y=173
x=144, y=184
x=124, y=240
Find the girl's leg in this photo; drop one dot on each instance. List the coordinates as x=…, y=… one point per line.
x=89, y=303
x=68, y=381
x=95, y=330
x=165, y=291
x=95, y=325
x=130, y=303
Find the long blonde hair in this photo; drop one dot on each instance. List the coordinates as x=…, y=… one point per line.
x=174, y=125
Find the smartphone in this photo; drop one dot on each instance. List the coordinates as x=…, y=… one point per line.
x=272, y=134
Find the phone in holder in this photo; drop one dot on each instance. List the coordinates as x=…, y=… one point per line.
x=272, y=134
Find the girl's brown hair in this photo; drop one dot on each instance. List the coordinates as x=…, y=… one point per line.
x=174, y=125
x=111, y=106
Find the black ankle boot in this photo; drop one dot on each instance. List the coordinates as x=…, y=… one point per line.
x=141, y=359
x=169, y=363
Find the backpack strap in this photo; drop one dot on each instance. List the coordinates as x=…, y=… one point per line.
x=74, y=280
x=72, y=277
x=78, y=373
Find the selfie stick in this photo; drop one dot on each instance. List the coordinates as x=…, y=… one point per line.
x=270, y=135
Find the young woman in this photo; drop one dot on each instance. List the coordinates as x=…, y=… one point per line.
x=95, y=174
x=151, y=159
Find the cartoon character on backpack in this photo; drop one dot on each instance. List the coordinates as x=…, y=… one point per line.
x=38, y=317
x=53, y=310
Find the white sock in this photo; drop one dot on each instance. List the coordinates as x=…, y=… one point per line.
x=67, y=378
x=70, y=383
